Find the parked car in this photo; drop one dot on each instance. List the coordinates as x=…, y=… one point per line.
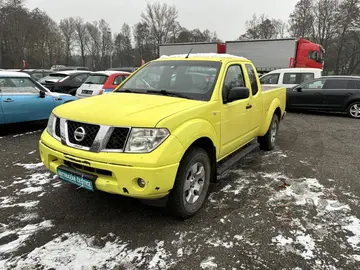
x=65, y=81
x=37, y=74
x=22, y=99
x=125, y=69
x=289, y=77
x=328, y=93
x=101, y=82
x=167, y=138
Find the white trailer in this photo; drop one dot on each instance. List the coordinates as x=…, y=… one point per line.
x=267, y=55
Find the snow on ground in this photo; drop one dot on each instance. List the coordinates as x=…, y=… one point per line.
x=77, y=251
x=255, y=214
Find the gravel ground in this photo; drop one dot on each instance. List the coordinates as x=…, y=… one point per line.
x=296, y=207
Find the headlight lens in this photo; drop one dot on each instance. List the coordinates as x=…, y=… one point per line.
x=51, y=124
x=145, y=140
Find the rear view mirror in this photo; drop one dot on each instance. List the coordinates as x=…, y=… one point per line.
x=238, y=93
x=42, y=94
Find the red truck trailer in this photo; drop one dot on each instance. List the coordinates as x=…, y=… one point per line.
x=266, y=55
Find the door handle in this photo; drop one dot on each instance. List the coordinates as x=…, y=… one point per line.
x=248, y=106
x=8, y=100
x=318, y=93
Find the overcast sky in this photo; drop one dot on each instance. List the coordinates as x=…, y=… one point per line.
x=226, y=17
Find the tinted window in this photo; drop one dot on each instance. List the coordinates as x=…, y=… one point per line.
x=234, y=78
x=18, y=85
x=270, y=79
x=253, y=81
x=54, y=77
x=176, y=77
x=297, y=78
x=119, y=79
x=318, y=84
x=336, y=84
x=96, y=79
x=81, y=78
x=354, y=84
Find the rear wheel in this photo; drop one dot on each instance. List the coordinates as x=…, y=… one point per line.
x=354, y=110
x=267, y=142
x=191, y=184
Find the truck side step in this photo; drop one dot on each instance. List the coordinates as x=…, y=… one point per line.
x=235, y=157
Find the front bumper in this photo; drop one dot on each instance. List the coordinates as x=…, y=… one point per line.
x=112, y=177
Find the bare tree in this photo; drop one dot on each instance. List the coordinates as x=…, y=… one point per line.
x=324, y=25
x=263, y=27
x=67, y=27
x=82, y=37
x=161, y=19
x=302, y=19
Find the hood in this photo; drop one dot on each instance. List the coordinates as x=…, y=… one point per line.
x=124, y=109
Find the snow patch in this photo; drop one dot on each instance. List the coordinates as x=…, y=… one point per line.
x=75, y=251
x=22, y=235
x=208, y=264
x=30, y=166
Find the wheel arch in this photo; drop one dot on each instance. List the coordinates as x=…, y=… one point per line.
x=206, y=144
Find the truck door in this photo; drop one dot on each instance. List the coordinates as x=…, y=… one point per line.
x=235, y=115
x=256, y=100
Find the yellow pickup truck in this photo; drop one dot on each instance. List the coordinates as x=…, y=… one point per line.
x=167, y=131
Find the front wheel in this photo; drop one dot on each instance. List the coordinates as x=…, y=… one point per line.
x=267, y=142
x=354, y=110
x=191, y=184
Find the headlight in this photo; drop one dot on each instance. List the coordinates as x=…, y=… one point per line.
x=51, y=124
x=145, y=140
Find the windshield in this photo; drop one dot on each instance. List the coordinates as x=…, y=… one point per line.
x=19, y=85
x=96, y=79
x=189, y=78
x=53, y=77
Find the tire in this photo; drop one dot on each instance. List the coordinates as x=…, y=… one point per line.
x=267, y=142
x=354, y=110
x=191, y=186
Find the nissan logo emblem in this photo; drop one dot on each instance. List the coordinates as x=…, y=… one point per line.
x=79, y=134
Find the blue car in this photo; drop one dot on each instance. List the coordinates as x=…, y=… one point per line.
x=22, y=99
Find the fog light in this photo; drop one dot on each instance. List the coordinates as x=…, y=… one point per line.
x=141, y=182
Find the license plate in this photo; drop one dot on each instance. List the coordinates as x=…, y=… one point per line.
x=78, y=178
x=88, y=92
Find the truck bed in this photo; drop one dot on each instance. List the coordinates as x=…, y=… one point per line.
x=270, y=95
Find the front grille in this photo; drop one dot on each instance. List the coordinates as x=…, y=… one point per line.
x=118, y=139
x=90, y=133
x=57, y=127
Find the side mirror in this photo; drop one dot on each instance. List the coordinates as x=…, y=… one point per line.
x=42, y=94
x=298, y=89
x=238, y=93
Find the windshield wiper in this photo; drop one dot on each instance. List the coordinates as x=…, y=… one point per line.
x=167, y=93
x=127, y=90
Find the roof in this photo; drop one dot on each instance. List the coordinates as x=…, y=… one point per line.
x=205, y=56
x=294, y=70
x=110, y=72
x=342, y=77
x=69, y=72
x=13, y=74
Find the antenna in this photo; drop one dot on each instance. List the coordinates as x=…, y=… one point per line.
x=189, y=53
